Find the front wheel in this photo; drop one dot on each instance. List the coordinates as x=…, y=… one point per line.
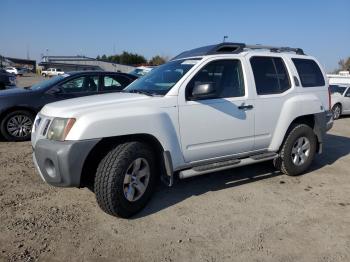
x=17, y=126
x=298, y=150
x=125, y=179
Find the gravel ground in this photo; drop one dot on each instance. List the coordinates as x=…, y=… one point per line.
x=246, y=214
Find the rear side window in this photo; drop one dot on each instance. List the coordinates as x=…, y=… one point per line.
x=309, y=72
x=270, y=74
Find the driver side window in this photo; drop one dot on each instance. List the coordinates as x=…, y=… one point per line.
x=225, y=75
x=81, y=84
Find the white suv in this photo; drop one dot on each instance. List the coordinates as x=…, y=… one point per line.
x=52, y=72
x=208, y=109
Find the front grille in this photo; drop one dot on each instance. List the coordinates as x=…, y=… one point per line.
x=46, y=127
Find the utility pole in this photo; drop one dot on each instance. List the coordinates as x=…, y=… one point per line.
x=28, y=57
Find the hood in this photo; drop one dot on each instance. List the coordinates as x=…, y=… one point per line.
x=79, y=106
x=15, y=91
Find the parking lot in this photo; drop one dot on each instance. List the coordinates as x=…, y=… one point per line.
x=246, y=214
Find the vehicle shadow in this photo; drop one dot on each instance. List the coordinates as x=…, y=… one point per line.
x=335, y=148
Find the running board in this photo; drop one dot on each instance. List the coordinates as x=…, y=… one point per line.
x=227, y=164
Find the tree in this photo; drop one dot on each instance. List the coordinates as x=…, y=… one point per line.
x=125, y=58
x=157, y=60
x=344, y=64
x=98, y=57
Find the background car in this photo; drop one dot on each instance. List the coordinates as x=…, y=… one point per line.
x=52, y=72
x=6, y=79
x=12, y=70
x=340, y=100
x=18, y=106
x=141, y=71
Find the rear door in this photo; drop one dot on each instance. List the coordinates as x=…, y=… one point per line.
x=113, y=83
x=273, y=86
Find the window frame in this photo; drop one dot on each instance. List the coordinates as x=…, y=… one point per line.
x=198, y=70
x=287, y=70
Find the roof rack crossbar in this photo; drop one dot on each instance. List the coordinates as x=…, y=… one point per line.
x=298, y=51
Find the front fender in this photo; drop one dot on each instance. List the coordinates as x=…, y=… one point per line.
x=161, y=123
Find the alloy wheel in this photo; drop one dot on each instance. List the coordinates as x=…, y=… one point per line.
x=19, y=126
x=300, y=151
x=136, y=179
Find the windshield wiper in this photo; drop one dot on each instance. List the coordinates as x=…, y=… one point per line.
x=138, y=92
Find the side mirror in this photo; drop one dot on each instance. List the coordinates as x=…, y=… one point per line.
x=54, y=90
x=203, y=90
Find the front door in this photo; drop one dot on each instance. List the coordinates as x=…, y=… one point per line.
x=222, y=125
x=346, y=102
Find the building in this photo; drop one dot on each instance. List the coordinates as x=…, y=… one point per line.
x=80, y=63
x=343, y=77
x=18, y=63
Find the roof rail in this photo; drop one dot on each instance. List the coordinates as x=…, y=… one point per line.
x=233, y=48
x=298, y=51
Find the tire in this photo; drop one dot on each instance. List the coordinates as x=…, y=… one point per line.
x=336, y=110
x=44, y=75
x=293, y=161
x=113, y=194
x=2, y=86
x=24, y=132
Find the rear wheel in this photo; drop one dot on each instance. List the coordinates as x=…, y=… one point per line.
x=298, y=150
x=336, y=111
x=125, y=179
x=17, y=125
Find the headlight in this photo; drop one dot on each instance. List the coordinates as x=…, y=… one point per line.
x=60, y=128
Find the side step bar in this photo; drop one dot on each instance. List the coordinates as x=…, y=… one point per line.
x=223, y=165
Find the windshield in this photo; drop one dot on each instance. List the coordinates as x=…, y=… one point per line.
x=47, y=83
x=337, y=89
x=161, y=79
x=138, y=72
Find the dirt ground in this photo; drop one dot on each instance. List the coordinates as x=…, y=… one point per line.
x=246, y=214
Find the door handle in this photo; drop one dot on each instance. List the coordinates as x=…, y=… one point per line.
x=245, y=107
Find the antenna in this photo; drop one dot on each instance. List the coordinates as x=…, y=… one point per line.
x=225, y=37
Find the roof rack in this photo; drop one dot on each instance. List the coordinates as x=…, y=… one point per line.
x=233, y=48
x=298, y=51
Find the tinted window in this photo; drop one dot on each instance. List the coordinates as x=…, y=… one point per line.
x=337, y=89
x=226, y=75
x=309, y=72
x=270, y=74
x=81, y=84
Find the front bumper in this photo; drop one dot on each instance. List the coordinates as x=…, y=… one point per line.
x=61, y=163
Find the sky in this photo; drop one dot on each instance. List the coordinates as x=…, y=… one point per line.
x=162, y=27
